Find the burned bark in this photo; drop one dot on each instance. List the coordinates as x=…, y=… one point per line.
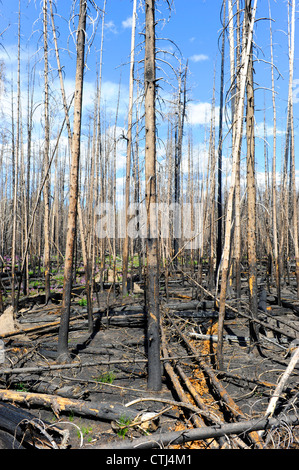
x=209, y=432
x=67, y=405
x=152, y=254
x=22, y=430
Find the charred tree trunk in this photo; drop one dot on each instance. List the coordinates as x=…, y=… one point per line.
x=152, y=274
x=251, y=193
x=292, y=145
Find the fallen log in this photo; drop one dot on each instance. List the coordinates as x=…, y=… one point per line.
x=179, y=296
x=36, y=329
x=7, y=441
x=211, y=416
x=201, y=314
x=46, y=367
x=247, y=380
x=21, y=429
x=248, y=316
x=214, y=338
x=105, y=411
x=221, y=391
x=160, y=440
x=136, y=320
x=195, y=418
x=192, y=305
x=280, y=386
x=289, y=303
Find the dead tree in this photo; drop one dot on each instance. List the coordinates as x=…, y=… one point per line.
x=15, y=155
x=274, y=189
x=238, y=120
x=179, y=132
x=292, y=143
x=220, y=143
x=251, y=190
x=129, y=151
x=73, y=198
x=152, y=273
x=46, y=156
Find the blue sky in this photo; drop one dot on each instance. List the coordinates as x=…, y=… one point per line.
x=194, y=25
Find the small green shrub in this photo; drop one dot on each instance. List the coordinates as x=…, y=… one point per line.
x=85, y=430
x=123, y=424
x=106, y=378
x=21, y=387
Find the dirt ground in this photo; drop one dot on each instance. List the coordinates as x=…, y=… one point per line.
x=117, y=373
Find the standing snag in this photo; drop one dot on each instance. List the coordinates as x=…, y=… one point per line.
x=152, y=255
x=74, y=174
x=238, y=122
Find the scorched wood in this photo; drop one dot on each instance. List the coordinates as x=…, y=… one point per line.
x=19, y=426
x=107, y=412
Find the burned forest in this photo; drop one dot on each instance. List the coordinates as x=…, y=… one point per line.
x=149, y=248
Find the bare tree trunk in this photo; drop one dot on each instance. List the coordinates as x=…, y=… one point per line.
x=251, y=192
x=234, y=85
x=73, y=202
x=180, y=117
x=235, y=154
x=46, y=157
x=274, y=190
x=292, y=145
x=152, y=275
x=129, y=151
x=15, y=153
x=220, y=143
x=99, y=150
x=31, y=80
x=212, y=188
x=139, y=242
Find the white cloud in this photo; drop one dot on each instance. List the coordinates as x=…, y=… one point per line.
x=199, y=57
x=127, y=23
x=9, y=54
x=200, y=158
x=109, y=95
x=200, y=113
x=110, y=26
x=296, y=91
x=259, y=129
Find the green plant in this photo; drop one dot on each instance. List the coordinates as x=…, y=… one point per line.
x=123, y=424
x=59, y=278
x=21, y=387
x=107, y=377
x=82, y=302
x=85, y=430
x=34, y=283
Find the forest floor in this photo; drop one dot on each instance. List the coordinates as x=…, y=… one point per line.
x=108, y=367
